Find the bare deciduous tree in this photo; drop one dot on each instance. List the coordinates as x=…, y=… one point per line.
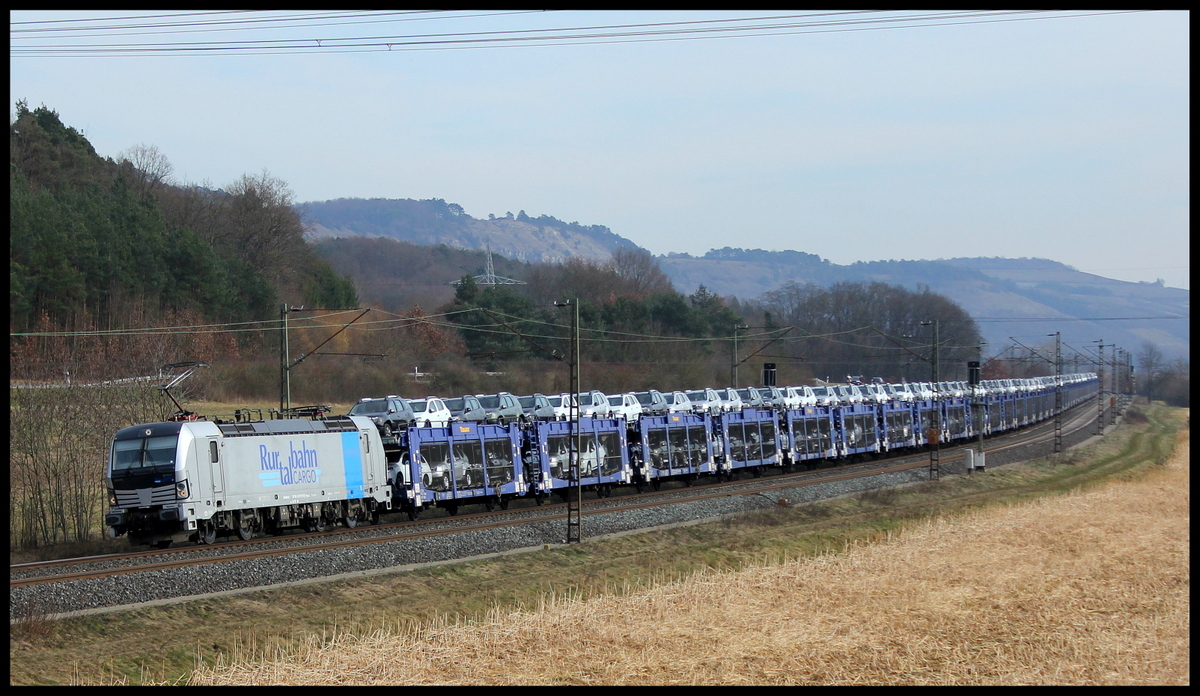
x=641, y=272
x=151, y=168
x=270, y=233
x=1150, y=365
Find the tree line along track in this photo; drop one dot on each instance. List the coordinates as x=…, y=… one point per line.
x=65, y=570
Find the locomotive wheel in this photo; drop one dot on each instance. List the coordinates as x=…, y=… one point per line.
x=350, y=521
x=317, y=524
x=208, y=532
x=163, y=544
x=245, y=527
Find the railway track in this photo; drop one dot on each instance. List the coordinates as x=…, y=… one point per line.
x=114, y=565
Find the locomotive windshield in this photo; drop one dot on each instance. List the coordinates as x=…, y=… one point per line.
x=142, y=453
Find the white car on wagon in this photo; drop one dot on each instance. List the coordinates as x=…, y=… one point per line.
x=625, y=406
x=431, y=411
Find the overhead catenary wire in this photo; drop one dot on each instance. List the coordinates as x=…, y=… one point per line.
x=743, y=27
x=433, y=319
x=259, y=23
x=264, y=325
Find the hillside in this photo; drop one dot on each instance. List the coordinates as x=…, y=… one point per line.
x=111, y=241
x=543, y=239
x=398, y=275
x=997, y=292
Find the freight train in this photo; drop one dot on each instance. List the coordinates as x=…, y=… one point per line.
x=202, y=481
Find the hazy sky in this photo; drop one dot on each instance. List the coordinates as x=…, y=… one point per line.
x=1063, y=136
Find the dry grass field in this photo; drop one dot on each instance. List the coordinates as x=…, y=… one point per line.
x=1089, y=587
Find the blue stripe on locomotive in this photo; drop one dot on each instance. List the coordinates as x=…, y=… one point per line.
x=352, y=464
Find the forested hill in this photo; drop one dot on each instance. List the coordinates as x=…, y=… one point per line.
x=1009, y=297
x=542, y=239
x=110, y=242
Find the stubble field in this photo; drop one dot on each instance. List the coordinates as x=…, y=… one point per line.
x=1088, y=587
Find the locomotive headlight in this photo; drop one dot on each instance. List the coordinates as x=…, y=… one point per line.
x=112, y=498
x=181, y=489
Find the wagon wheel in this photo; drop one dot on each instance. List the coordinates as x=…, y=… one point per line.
x=208, y=532
x=413, y=512
x=503, y=502
x=489, y=504
x=656, y=484
x=245, y=526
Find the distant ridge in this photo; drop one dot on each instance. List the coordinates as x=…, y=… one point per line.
x=998, y=292
x=543, y=239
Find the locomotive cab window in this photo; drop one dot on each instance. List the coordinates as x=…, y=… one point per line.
x=212, y=451
x=155, y=452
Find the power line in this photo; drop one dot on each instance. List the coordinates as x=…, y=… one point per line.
x=254, y=20
x=433, y=319
x=772, y=25
x=1010, y=320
